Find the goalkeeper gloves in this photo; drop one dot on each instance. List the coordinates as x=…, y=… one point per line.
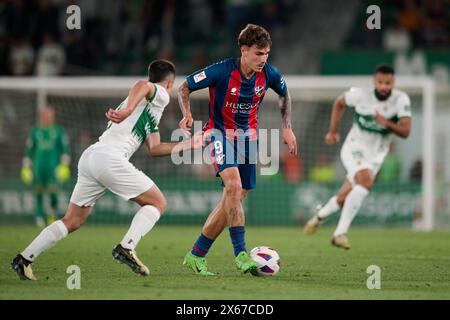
x=62, y=172
x=26, y=174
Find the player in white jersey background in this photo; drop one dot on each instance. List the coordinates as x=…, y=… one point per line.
x=105, y=165
x=379, y=112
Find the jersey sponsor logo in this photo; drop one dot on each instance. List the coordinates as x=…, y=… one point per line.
x=369, y=122
x=242, y=107
x=259, y=90
x=233, y=91
x=199, y=77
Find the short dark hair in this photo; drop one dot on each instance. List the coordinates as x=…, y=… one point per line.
x=385, y=69
x=158, y=70
x=253, y=34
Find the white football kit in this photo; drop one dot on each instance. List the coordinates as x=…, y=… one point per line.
x=105, y=164
x=367, y=142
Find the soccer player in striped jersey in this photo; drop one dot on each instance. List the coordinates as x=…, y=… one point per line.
x=236, y=89
x=105, y=165
x=379, y=113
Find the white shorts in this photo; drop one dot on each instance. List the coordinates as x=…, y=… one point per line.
x=356, y=157
x=99, y=170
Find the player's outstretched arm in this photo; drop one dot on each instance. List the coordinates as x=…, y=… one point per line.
x=139, y=91
x=156, y=148
x=183, y=100
x=336, y=114
x=284, y=102
x=402, y=129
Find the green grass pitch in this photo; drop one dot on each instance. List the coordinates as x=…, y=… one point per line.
x=413, y=265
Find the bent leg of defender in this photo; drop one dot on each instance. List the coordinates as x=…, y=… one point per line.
x=153, y=204
x=49, y=236
x=86, y=192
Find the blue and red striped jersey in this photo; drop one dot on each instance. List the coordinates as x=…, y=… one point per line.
x=234, y=101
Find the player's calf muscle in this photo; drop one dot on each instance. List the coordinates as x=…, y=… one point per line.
x=72, y=224
x=75, y=217
x=235, y=216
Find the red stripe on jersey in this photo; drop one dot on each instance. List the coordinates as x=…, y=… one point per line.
x=210, y=123
x=258, y=95
x=230, y=103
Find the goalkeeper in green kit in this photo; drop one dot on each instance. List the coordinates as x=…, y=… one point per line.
x=46, y=163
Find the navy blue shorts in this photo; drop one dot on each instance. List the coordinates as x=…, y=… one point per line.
x=243, y=155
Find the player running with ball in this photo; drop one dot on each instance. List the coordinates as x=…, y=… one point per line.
x=236, y=89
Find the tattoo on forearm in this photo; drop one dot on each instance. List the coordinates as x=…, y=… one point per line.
x=183, y=98
x=284, y=103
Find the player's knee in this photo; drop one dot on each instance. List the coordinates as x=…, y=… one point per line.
x=161, y=205
x=366, y=183
x=364, y=179
x=233, y=189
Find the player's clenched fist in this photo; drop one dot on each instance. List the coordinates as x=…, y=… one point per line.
x=290, y=140
x=186, y=124
x=332, y=138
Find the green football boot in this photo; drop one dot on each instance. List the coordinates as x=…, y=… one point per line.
x=245, y=263
x=197, y=264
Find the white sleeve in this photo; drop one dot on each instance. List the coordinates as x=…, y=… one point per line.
x=352, y=97
x=159, y=102
x=161, y=98
x=404, y=106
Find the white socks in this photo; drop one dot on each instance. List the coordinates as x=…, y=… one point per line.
x=45, y=240
x=352, y=205
x=331, y=207
x=142, y=223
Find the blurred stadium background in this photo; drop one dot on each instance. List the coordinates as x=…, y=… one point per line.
x=323, y=47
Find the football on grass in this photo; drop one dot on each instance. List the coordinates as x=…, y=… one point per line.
x=267, y=259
